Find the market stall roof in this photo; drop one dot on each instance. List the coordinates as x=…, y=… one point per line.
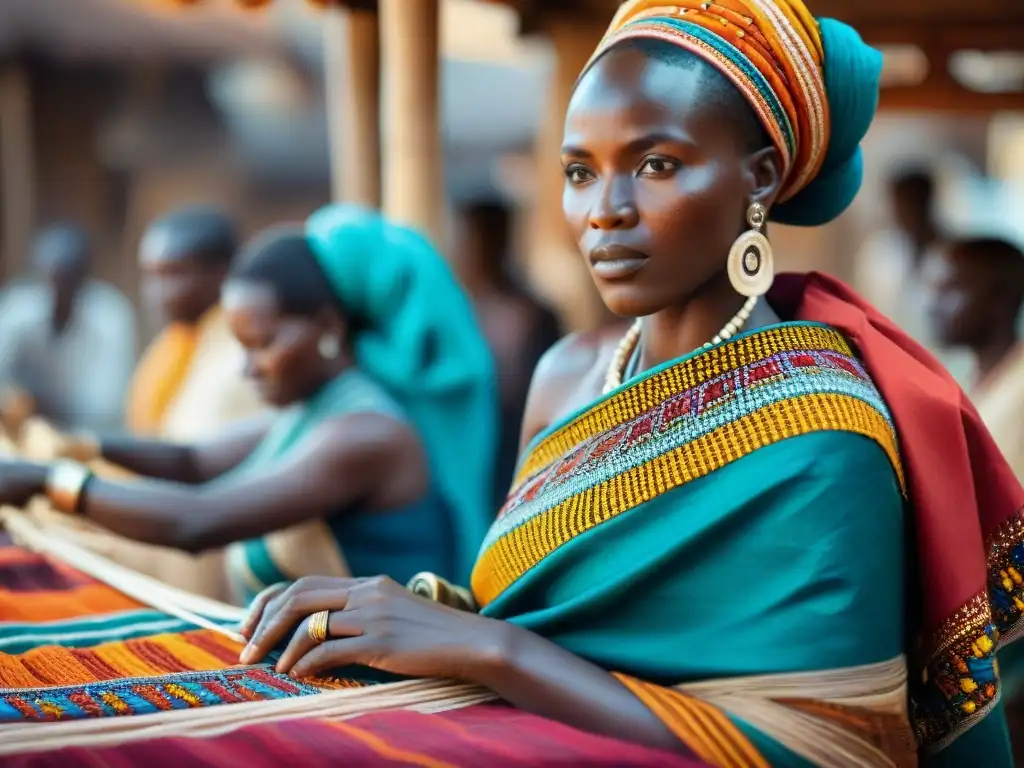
x=942, y=54
x=115, y=30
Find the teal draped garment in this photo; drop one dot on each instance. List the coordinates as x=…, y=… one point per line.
x=737, y=512
x=397, y=542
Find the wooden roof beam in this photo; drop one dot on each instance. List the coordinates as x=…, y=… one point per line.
x=943, y=97
x=967, y=36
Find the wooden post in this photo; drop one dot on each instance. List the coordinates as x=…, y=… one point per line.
x=352, y=77
x=17, y=166
x=411, y=151
x=554, y=260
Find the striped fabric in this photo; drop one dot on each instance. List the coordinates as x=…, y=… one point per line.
x=701, y=727
x=71, y=648
x=486, y=735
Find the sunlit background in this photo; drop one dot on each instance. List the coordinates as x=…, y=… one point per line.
x=112, y=110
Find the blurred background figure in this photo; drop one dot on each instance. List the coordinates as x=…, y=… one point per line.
x=67, y=340
x=888, y=267
x=518, y=327
x=976, y=297
x=976, y=294
x=190, y=383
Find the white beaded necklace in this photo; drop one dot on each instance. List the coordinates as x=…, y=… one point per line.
x=626, y=347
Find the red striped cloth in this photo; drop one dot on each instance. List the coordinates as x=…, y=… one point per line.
x=487, y=735
x=33, y=588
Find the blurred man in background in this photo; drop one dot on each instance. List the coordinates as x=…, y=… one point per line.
x=518, y=327
x=976, y=296
x=67, y=340
x=888, y=266
x=190, y=384
x=976, y=292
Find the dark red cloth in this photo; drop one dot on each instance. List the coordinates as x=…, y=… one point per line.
x=488, y=735
x=961, y=488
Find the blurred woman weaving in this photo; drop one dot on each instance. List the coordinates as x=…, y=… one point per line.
x=379, y=459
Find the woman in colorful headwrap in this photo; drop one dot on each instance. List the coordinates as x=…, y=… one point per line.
x=379, y=460
x=705, y=549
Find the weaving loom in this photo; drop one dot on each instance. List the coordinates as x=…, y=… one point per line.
x=122, y=675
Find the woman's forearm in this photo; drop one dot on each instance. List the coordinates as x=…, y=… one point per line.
x=153, y=458
x=537, y=676
x=195, y=518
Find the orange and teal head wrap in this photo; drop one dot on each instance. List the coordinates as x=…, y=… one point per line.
x=812, y=83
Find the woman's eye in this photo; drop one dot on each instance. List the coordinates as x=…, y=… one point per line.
x=658, y=166
x=577, y=174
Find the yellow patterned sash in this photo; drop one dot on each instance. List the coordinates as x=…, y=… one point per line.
x=675, y=425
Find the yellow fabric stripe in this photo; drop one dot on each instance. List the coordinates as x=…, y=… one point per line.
x=741, y=752
x=118, y=656
x=683, y=719
x=163, y=370
x=190, y=655
x=640, y=398
x=704, y=729
x=523, y=547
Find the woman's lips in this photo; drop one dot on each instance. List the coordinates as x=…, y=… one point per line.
x=620, y=268
x=614, y=261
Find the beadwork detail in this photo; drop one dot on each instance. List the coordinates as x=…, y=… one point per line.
x=674, y=426
x=141, y=695
x=959, y=678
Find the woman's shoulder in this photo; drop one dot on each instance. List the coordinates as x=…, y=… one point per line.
x=356, y=393
x=568, y=376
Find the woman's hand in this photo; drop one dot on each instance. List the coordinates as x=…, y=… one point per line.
x=20, y=481
x=374, y=622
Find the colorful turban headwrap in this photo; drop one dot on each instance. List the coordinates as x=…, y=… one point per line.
x=813, y=83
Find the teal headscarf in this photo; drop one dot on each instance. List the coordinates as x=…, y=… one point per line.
x=852, y=73
x=420, y=341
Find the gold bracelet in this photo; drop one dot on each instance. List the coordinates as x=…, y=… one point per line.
x=64, y=484
x=433, y=587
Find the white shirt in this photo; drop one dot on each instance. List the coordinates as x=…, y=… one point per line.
x=79, y=377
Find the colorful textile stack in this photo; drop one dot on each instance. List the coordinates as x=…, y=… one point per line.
x=74, y=649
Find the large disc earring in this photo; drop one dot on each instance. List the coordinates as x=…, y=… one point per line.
x=751, y=265
x=329, y=346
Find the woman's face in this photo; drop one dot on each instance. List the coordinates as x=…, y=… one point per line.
x=959, y=297
x=282, y=355
x=657, y=181
x=174, y=282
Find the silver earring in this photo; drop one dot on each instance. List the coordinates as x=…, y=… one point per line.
x=328, y=346
x=751, y=265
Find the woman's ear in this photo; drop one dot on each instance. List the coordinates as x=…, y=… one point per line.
x=764, y=173
x=332, y=323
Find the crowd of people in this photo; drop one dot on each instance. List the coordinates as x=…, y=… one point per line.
x=755, y=523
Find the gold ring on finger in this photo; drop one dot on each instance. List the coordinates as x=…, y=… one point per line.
x=317, y=628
